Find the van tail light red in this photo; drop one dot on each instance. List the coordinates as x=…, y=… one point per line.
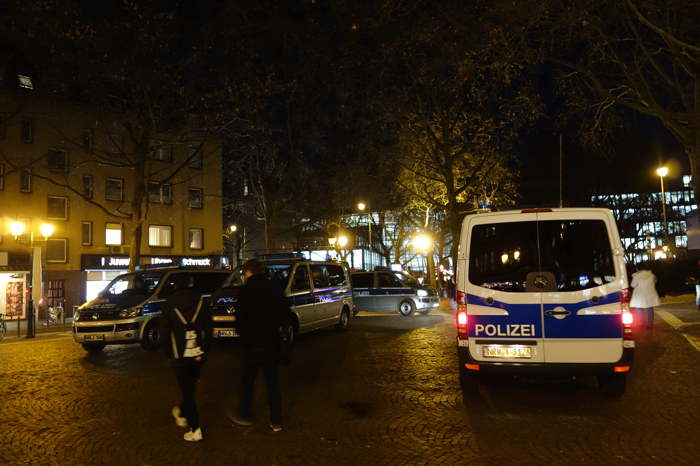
x=626, y=316
x=462, y=318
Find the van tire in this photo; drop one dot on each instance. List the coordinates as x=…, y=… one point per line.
x=343, y=320
x=150, y=341
x=406, y=307
x=612, y=385
x=93, y=347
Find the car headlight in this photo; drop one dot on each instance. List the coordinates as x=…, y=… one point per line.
x=76, y=316
x=422, y=293
x=130, y=312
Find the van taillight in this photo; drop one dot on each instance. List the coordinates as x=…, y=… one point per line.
x=626, y=316
x=462, y=318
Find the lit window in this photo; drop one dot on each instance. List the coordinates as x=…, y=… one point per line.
x=58, y=160
x=86, y=233
x=57, y=208
x=57, y=250
x=196, y=238
x=114, y=189
x=113, y=234
x=160, y=236
x=194, y=198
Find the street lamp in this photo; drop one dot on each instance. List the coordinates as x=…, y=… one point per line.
x=240, y=242
x=663, y=171
x=424, y=243
x=17, y=229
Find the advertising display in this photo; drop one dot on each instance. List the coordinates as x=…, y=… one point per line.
x=13, y=299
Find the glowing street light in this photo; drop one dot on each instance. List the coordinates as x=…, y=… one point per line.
x=233, y=228
x=16, y=228
x=504, y=258
x=422, y=242
x=663, y=171
x=46, y=230
x=342, y=241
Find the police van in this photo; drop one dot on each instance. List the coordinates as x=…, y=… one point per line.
x=389, y=290
x=127, y=310
x=319, y=294
x=544, y=291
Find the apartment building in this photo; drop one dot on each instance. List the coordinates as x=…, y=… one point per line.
x=74, y=168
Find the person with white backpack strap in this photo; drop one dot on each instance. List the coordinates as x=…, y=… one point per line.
x=185, y=327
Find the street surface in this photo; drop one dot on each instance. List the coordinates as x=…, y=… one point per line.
x=385, y=392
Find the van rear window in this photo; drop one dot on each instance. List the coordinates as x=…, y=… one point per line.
x=576, y=252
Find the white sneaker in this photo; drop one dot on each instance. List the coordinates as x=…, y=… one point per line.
x=193, y=435
x=179, y=420
x=276, y=427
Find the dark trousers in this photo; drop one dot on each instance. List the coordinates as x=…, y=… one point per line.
x=187, y=373
x=251, y=361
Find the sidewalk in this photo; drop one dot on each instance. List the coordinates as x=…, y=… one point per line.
x=41, y=328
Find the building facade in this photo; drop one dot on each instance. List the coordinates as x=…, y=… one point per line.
x=73, y=168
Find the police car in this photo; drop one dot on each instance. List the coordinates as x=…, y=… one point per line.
x=319, y=294
x=387, y=290
x=127, y=310
x=544, y=291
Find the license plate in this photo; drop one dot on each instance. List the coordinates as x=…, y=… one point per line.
x=94, y=337
x=507, y=351
x=226, y=333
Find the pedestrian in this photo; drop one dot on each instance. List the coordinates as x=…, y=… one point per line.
x=644, y=295
x=694, y=280
x=185, y=326
x=260, y=311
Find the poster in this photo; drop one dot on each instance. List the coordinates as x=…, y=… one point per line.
x=14, y=304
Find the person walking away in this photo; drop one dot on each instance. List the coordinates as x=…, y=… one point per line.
x=185, y=326
x=644, y=295
x=260, y=311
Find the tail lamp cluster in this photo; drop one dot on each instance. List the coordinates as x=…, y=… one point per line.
x=627, y=316
x=462, y=330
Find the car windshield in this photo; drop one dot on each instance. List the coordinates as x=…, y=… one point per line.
x=407, y=279
x=130, y=284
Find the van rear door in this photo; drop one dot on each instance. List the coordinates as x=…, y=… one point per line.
x=581, y=311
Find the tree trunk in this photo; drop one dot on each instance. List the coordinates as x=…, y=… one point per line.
x=138, y=212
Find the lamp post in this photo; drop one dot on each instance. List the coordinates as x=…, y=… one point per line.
x=663, y=171
x=17, y=229
x=240, y=242
x=424, y=243
x=361, y=206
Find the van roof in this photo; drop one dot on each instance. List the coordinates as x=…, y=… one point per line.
x=541, y=209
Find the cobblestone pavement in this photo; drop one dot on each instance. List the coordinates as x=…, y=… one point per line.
x=385, y=392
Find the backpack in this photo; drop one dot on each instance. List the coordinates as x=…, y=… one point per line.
x=192, y=346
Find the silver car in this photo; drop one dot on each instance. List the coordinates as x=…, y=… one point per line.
x=387, y=290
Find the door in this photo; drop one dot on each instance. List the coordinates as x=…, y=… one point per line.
x=391, y=292
x=362, y=287
x=504, y=306
x=581, y=312
x=323, y=292
x=301, y=298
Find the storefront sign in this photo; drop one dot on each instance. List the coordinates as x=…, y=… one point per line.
x=198, y=262
x=100, y=262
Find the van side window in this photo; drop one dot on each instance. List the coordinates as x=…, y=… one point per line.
x=362, y=280
x=319, y=274
x=300, y=282
x=387, y=280
x=336, y=275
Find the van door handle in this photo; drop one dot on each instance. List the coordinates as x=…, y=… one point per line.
x=555, y=312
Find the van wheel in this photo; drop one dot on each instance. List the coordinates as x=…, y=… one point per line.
x=150, y=341
x=612, y=385
x=344, y=320
x=93, y=347
x=406, y=308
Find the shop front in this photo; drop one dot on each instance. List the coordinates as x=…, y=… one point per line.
x=101, y=269
x=14, y=284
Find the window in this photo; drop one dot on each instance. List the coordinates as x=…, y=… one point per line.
x=2, y=176
x=204, y=282
x=336, y=275
x=160, y=193
x=114, y=145
x=319, y=275
x=88, y=140
x=58, y=160
x=55, y=292
x=195, y=238
x=114, y=189
x=57, y=250
x=25, y=180
x=194, y=198
x=300, y=282
x=57, y=208
x=387, y=280
x=88, y=187
x=113, y=234
x=162, y=151
x=194, y=156
x=27, y=131
x=160, y=236
x=86, y=233
x=362, y=280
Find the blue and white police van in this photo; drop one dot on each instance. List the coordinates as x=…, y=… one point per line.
x=127, y=310
x=319, y=294
x=544, y=291
x=390, y=290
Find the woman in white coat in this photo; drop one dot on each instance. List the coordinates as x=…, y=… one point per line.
x=644, y=295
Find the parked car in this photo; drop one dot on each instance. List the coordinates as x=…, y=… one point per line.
x=387, y=290
x=319, y=294
x=127, y=310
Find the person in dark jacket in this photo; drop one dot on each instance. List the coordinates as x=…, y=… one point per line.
x=260, y=310
x=185, y=326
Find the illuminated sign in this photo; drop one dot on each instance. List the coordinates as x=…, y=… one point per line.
x=115, y=261
x=161, y=260
x=202, y=262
